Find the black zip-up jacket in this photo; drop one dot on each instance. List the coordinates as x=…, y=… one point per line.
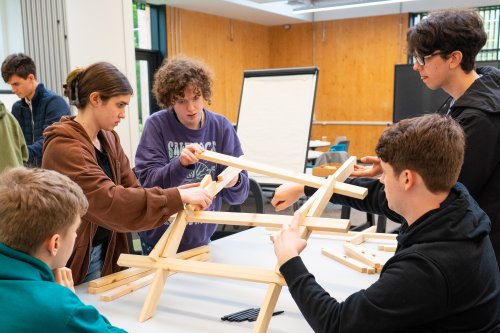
x=442, y=278
x=478, y=112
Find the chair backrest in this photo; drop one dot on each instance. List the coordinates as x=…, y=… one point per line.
x=339, y=138
x=332, y=157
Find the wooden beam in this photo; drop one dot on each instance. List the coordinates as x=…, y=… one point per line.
x=244, y=273
x=175, y=237
x=151, y=302
x=348, y=261
x=266, y=220
x=370, y=258
x=106, y=287
x=388, y=248
x=261, y=168
x=345, y=169
x=142, y=282
x=361, y=237
x=111, y=278
x=351, y=190
x=267, y=308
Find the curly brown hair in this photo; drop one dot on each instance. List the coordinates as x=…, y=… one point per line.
x=174, y=76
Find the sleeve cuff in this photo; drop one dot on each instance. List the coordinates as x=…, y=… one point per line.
x=292, y=269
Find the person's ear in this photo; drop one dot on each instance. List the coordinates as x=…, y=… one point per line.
x=407, y=179
x=456, y=58
x=53, y=244
x=94, y=99
x=31, y=77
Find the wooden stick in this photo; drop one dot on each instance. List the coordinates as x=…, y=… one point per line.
x=387, y=248
x=360, y=238
x=97, y=290
x=345, y=169
x=151, y=302
x=111, y=278
x=266, y=220
x=175, y=236
x=363, y=255
x=267, y=308
x=142, y=282
x=261, y=168
x=129, y=275
x=348, y=261
x=244, y=273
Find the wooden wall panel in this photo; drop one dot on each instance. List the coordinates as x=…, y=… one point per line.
x=228, y=46
x=291, y=46
x=363, y=138
x=356, y=58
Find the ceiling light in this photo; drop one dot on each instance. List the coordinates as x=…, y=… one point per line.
x=321, y=8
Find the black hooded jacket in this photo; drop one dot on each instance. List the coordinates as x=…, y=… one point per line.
x=478, y=112
x=442, y=278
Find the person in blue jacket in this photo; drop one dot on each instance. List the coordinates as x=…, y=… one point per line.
x=443, y=276
x=40, y=213
x=166, y=153
x=37, y=107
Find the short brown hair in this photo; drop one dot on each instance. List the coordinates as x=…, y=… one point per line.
x=18, y=64
x=449, y=30
x=101, y=77
x=35, y=204
x=432, y=145
x=174, y=76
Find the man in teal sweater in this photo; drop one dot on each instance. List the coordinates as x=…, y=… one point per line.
x=13, y=150
x=40, y=213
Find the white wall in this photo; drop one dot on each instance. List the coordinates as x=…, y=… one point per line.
x=11, y=31
x=103, y=31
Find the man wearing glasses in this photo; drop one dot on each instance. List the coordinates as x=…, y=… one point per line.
x=444, y=47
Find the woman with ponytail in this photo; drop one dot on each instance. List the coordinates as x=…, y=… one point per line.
x=87, y=149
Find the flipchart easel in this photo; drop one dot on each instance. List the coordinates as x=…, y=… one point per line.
x=164, y=259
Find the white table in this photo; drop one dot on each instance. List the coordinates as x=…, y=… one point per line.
x=193, y=303
x=313, y=144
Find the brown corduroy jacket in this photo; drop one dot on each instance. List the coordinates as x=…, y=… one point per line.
x=117, y=204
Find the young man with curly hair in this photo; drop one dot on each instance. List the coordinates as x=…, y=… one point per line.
x=166, y=153
x=444, y=46
x=443, y=276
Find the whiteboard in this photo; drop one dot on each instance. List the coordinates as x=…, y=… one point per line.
x=275, y=116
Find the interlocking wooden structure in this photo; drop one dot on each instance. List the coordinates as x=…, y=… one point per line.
x=164, y=258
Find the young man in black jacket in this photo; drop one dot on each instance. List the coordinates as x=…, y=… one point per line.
x=445, y=46
x=443, y=276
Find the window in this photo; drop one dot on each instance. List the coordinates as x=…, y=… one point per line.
x=491, y=19
x=150, y=49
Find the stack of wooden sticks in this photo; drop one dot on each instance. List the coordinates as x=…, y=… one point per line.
x=127, y=281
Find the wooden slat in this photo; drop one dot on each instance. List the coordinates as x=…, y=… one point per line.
x=142, y=282
x=106, y=287
x=345, y=169
x=266, y=220
x=350, y=262
x=111, y=278
x=261, y=168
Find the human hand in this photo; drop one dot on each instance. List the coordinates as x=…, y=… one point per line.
x=187, y=156
x=64, y=277
x=287, y=243
x=195, y=195
x=371, y=171
x=285, y=195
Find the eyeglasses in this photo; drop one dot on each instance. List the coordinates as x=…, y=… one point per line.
x=421, y=59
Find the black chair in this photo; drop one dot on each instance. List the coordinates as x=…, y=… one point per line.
x=345, y=213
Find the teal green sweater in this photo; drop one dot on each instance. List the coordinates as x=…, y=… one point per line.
x=30, y=300
x=13, y=149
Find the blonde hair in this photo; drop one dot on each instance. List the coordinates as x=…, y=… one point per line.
x=35, y=204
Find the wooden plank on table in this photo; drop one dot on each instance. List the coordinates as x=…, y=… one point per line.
x=142, y=282
x=348, y=261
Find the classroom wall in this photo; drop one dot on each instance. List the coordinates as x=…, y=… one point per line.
x=228, y=46
x=356, y=58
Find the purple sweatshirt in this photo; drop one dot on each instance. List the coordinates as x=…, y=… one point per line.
x=157, y=164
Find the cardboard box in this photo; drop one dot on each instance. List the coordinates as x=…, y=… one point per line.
x=325, y=170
